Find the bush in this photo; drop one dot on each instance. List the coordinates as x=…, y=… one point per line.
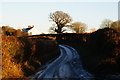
x=10, y=46
x=22, y=56
x=103, y=48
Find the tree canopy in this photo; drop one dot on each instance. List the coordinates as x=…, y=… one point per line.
x=61, y=19
x=78, y=27
x=106, y=23
x=116, y=26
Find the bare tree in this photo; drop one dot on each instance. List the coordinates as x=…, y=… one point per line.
x=78, y=27
x=61, y=19
x=106, y=23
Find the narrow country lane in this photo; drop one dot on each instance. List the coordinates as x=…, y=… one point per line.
x=67, y=65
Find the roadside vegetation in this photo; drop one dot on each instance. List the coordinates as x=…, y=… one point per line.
x=22, y=56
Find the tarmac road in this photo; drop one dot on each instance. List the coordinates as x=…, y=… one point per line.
x=67, y=65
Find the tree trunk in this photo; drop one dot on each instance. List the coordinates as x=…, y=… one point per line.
x=59, y=30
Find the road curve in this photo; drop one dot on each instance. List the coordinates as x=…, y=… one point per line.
x=67, y=65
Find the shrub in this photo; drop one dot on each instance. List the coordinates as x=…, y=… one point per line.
x=22, y=56
x=10, y=46
x=103, y=48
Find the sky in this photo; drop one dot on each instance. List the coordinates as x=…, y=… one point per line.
x=21, y=14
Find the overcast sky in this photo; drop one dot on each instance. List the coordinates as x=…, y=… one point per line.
x=21, y=14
